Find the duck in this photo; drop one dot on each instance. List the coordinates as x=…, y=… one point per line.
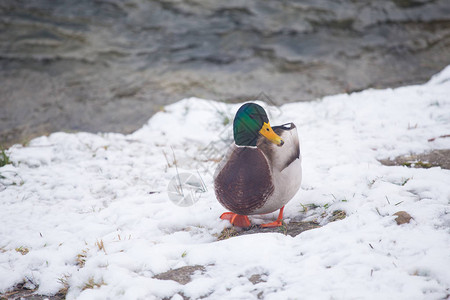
x=262, y=169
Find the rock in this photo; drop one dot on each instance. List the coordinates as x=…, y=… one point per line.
x=402, y=217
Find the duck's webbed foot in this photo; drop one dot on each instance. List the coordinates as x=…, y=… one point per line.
x=235, y=219
x=277, y=223
x=272, y=224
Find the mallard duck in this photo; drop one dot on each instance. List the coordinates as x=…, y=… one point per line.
x=261, y=171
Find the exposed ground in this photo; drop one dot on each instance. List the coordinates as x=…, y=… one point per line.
x=435, y=158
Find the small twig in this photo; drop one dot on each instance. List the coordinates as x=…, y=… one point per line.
x=439, y=137
x=165, y=155
x=178, y=174
x=101, y=246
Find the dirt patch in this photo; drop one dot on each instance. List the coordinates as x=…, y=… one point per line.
x=402, y=217
x=337, y=215
x=20, y=292
x=292, y=229
x=435, y=158
x=257, y=278
x=181, y=275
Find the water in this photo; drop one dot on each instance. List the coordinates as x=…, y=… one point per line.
x=109, y=65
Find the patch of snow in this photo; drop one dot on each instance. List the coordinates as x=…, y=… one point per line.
x=93, y=212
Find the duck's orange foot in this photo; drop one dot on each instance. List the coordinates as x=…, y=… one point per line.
x=235, y=219
x=272, y=224
x=277, y=223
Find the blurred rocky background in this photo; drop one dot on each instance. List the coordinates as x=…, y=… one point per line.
x=91, y=65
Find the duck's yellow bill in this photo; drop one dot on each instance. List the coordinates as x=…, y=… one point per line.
x=268, y=133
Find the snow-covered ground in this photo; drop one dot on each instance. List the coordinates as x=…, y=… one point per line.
x=91, y=211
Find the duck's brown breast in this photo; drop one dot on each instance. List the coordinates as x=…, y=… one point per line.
x=245, y=181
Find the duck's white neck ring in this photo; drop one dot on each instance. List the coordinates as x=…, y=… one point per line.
x=242, y=146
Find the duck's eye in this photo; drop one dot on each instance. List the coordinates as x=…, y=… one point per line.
x=267, y=129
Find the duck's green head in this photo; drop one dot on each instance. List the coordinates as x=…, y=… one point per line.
x=250, y=122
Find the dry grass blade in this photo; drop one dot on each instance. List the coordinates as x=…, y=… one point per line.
x=100, y=245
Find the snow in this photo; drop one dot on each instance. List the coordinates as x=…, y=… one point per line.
x=66, y=195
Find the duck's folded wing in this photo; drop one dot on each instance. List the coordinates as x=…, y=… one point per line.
x=245, y=181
